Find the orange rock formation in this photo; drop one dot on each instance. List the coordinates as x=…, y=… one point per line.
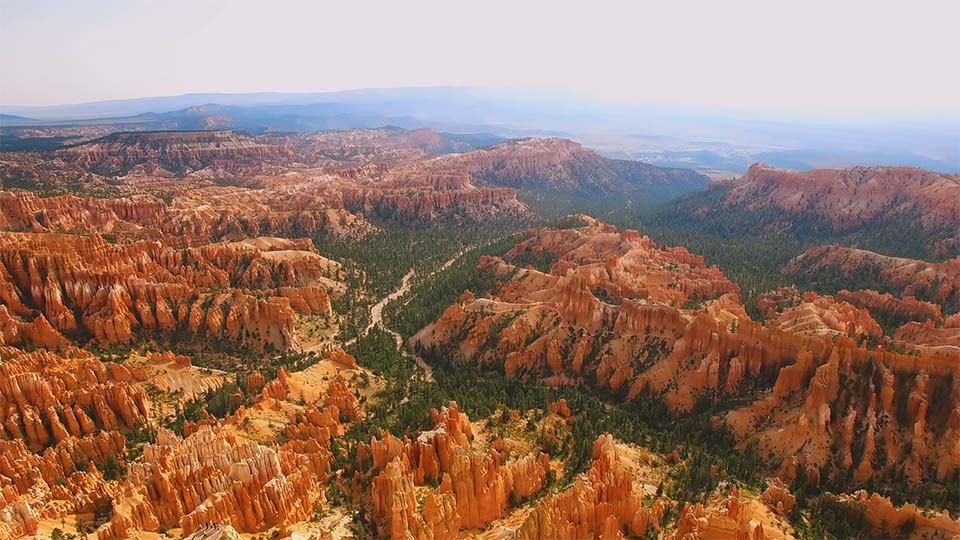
x=84, y=286
x=603, y=503
x=475, y=487
x=818, y=401
x=846, y=199
x=938, y=283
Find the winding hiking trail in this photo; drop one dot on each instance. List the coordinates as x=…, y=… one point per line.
x=376, y=311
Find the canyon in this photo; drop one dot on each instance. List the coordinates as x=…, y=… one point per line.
x=207, y=334
x=812, y=392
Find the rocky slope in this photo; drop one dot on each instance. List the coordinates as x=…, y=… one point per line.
x=26, y=212
x=216, y=473
x=566, y=166
x=813, y=398
x=937, y=283
x=815, y=315
x=312, y=183
x=879, y=204
x=62, y=417
x=167, y=152
x=86, y=288
x=928, y=335
x=600, y=504
x=475, y=487
x=48, y=400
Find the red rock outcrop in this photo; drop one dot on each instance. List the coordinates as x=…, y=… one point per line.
x=26, y=212
x=342, y=357
x=46, y=399
x=475, y=487
x=212, y=477
x=63, y=479
x=395, y=508
x=642, y=284
x=732, y=519
x=86, y=287
x=311, y=207
x=564, y=165
x=603, y=503
x=938, y=283
x=61, y=417
x=18, y=519
x=777, y=496
x=945, y=338
x=214, y=531
x=822, y=399
x=890, y=308
x=881, y=517
x=825, y=315
x=846, y=199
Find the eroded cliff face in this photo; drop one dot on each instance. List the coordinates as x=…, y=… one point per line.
x=817, y=398
x=883, y=518
x=816, y=315
x=48, y=399
x=927, y=335
x=476, y=486
x=848, y=199
x=61, y=418
x=218, y=476
x=85, y=288
x=198, y=215
x=890, y=308
x=213, y=477
x=65, y=448
x=603, y=503
x=214, y=185
x=554, y=326
x=561, y=165
x=167, y=152
x=27, y=212
x=937, y=283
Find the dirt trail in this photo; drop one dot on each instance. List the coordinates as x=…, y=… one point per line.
x=376, y=311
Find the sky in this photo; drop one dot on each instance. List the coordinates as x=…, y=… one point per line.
x=740, y=53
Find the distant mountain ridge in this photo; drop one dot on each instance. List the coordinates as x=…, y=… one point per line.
x=174, y=151
x=566, y=166
x=548, y=173
x=901, y=207
x=718, y=141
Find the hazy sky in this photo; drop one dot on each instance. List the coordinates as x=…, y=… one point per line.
x=730, y=52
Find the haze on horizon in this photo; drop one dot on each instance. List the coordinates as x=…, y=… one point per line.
x=748, y=53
